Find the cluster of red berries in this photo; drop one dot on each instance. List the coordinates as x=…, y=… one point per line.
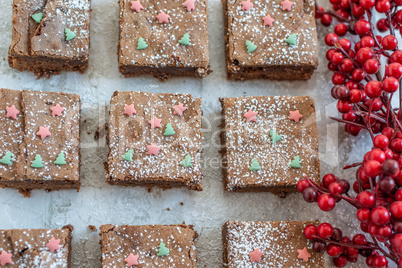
x=364, y=99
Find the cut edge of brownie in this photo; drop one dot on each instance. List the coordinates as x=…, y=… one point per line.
x=280, y=191
x=234, y=71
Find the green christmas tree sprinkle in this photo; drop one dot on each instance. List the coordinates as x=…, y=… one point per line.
x=128, y=156
x=37, y=163
x=37, y=17
x=275, y=137
x=292, y=39
x=250, y=46
x=69, y=34
x=163, y=251
x=60, y=160
x=7, y=159
x=295, y=163
x=169, y=131
x=187, y=161
x=141, y=44
x=185, y=40
x=254, y=164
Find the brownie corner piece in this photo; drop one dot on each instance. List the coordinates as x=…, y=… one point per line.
x=148, y=245
x=269, y=41
x=155, y=140
x=36, y=247
x=268, y=244
x=163, y=39
x=50, y=36
x=269, y=143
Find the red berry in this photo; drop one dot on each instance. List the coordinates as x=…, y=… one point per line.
x=390, y=167
x=364, y=54
x=333, y=250
x=394, y=69
x=389, y=42
x=337, y=58
x=326, y=202
x=329, y=53
x=372, y=168
x=326, y=20
x=344, y=106
x=381, y=141
x=373, y=89
x=331, y=39
x=358, y=75
x=352, y=129
x=310, y=231
x=363, y=214
x=382, y=6
x=396, y=145
x=362, y=27
x=340, y=261
x=367, y=4
x=355, y=96
x=318, y=13
x=328, y=179
x=310, y=195
x=396, y=209
x=335, y=188
x=351, y=116
x=385, y=231
x=390, y=84
x=357, y=10
x=319, y=246
x=398, y=16
x=366, y=199
x=396, y=242
x=324, y=230
x=387, y=184
x=346, y=66
x=338, y=79
x=380, y=216
x=359, y=239
x=371, y=66
x=345, y=44
x=302, y=185
x=341, y=29
x=332, y=67
x=382, y=25
x=388, y=131
x=380, y=262
x=396, y=56
x=367, y=41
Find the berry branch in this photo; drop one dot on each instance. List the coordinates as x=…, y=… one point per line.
x=364, y=92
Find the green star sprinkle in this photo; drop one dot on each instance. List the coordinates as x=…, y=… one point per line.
x=69, y=34
x=141, y=44
x=250, y=46
x=254, y=164
x=275, y=137
x=37, y=163
x=185, y=40
x=163, y=251
x=37, y=17
x=7, y=159
x=60, y=160
x=187, y=161
x=295, y=163
x=292, y=39
x=169, y=131
x=128, y=156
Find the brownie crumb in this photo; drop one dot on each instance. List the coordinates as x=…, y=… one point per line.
x=93, y=228
x=100, y=132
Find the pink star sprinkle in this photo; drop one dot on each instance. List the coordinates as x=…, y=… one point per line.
x=136, y=5
x=286, y=5
x=12, y=112
x=132, y=260
x=189, y=4
x=54, y=244
x=155, y=122
x=179, y=109
x=129, y=109
x=163, y=17
x=295, y=115
x=303, y=254
x=57, y=110
x=153, y=149
x=246, y=5
x=251, y=116
x=43, y=132
x=5, y=258
x=256, y=255
x=268, y=20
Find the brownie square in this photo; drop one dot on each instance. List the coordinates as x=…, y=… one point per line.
x=278, y=242
x=48, y=156
x=273, y=58
x=11, y=132
x=120, y=244
x=141, y=154
x=42, y=45
x=37, y=247
x=253, y=161
x=164, y=54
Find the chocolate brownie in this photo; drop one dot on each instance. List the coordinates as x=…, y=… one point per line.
x=36, y=248
x=163, y=39
x=269, y=143
x=274, y=40
x=48, y=156
x=268, y=244
x=11, y=132
x=148, y=246
x=50, y=36
x=154, y=140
